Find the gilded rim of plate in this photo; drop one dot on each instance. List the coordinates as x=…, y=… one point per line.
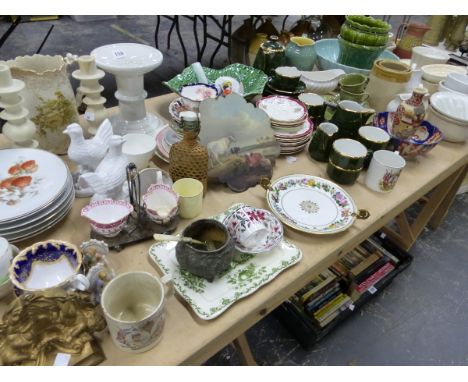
x=289, y=224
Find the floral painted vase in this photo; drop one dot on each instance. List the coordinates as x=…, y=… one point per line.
x=48, y=96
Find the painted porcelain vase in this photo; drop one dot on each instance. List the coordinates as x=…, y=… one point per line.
x=48, y=96
x=300, y=52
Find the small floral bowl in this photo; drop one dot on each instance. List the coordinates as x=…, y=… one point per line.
x=161, y=203
x=194, y=94
x=107, y=217
x=242, y=219
x=426, y=137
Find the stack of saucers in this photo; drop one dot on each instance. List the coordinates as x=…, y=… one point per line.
x=164, y=140
x=290, y=122
x=36, y=192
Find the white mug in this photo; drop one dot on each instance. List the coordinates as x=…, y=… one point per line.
x=384, y=170
x=134, y=307
x=190, y=193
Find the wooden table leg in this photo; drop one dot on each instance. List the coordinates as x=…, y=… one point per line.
x=432, y=214
x=243, y=349
x=441, y=212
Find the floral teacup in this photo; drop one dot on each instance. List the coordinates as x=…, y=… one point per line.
x=254, y=230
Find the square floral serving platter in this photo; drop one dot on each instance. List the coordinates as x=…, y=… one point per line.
x=247, y=273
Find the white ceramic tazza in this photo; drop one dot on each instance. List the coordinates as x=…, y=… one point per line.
x=190, y=193
x=384, y=170
x=134, y=307
x=138, y=148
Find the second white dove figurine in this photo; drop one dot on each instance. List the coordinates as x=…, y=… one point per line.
x=87, y=153
x=108, y=178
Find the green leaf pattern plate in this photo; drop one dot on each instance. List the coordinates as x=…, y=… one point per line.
x=252, y=79
x=246, y=275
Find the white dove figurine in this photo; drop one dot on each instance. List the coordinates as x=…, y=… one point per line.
x=88, y=153
x=108, y=179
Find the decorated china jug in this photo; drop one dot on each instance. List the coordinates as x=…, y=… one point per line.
x=409, y=114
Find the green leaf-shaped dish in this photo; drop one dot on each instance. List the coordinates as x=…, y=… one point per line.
x=252, y=79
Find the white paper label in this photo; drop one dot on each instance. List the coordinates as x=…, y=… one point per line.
x=89, y=116
x=372, y=289
x=351, y=307
x=119, y=53
x=291, y=159
x=62, y=359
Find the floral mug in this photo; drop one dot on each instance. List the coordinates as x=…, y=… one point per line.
x=134, y=307
x=384, y=170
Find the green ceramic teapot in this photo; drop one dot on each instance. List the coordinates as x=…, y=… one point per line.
x=349, y=116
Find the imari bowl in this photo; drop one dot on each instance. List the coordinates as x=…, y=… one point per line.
x=426, y=137
x=45, y=265
x=241, y=219
x=107, y=217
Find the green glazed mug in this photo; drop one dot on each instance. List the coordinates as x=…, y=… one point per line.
x=374, y=139
x=286, y=78
x=356, y=97
x=315, y=105
x=353, y=82
x=348, y=154
x=341, y=175
x=322, y=140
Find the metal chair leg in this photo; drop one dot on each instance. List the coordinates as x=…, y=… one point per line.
x=156, y=32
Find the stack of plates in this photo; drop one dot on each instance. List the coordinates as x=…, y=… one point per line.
x=293, y=142
x=164, y=140
x=36, y=192
x=289, y=120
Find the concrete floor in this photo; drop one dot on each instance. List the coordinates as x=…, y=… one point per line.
x=420, y=319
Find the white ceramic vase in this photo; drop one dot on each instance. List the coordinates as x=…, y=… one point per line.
x=48, y=96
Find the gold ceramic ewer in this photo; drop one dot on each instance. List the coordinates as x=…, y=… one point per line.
x=36, y=327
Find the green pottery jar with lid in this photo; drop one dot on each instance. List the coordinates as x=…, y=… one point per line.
x=270, y=55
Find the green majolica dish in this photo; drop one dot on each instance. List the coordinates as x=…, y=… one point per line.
x=252, y=79
x=365, y=30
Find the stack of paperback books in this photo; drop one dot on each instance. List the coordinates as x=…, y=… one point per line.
x=323, y=298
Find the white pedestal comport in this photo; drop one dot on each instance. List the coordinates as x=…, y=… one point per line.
x=129, y=62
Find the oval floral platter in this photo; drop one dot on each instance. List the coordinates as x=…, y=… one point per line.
x=311, y=204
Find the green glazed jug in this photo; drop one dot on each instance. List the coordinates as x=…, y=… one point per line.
x=349, y=116
x=300, y=52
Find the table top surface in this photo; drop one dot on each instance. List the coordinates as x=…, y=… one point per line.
x=189, y=340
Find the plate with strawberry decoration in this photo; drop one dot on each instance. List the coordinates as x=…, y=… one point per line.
x=31, y=181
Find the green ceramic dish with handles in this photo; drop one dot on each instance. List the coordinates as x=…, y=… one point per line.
x=253, y=80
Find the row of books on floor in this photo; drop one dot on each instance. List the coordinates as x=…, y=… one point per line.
x=344, y=286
